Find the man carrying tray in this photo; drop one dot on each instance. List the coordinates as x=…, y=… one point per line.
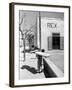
x=40, y=54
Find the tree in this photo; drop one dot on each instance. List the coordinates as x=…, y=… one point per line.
x=30, y=38
x=25, y=32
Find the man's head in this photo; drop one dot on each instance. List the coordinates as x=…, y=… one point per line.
x=32, y=46
x=42, y=50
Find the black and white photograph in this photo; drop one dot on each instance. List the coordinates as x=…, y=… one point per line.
x=41, y=44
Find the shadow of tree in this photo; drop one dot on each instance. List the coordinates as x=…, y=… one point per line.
x=31, y=69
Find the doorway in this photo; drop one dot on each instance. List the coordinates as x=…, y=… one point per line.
x=56, y=40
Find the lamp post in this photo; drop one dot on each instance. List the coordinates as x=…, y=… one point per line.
x=40, y=28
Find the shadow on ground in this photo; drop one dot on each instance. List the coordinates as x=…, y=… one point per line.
x=31, y=69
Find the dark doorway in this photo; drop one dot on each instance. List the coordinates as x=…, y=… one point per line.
x=56, y=40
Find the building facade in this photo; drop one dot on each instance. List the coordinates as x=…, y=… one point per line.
x=51, y=34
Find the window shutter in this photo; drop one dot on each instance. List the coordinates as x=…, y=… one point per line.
x=62, y=43
x=49, y=43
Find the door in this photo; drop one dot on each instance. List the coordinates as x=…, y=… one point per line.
x=56, y=40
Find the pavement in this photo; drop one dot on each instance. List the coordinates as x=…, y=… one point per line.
x=28, y=68
x=57, y=57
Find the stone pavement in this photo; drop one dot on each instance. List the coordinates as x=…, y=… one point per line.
x=57, y=57
x=28, y=68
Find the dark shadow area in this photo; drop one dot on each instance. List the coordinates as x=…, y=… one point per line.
x=31, y=69
x=48, y=72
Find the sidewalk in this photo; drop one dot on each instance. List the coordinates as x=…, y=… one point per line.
x=28, y=68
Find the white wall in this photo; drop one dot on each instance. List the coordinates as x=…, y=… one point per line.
x=4, y=44
x=47, y=32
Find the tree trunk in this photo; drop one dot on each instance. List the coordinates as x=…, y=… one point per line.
x=24, y=47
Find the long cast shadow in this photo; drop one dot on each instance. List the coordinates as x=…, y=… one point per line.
x=31, y=69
